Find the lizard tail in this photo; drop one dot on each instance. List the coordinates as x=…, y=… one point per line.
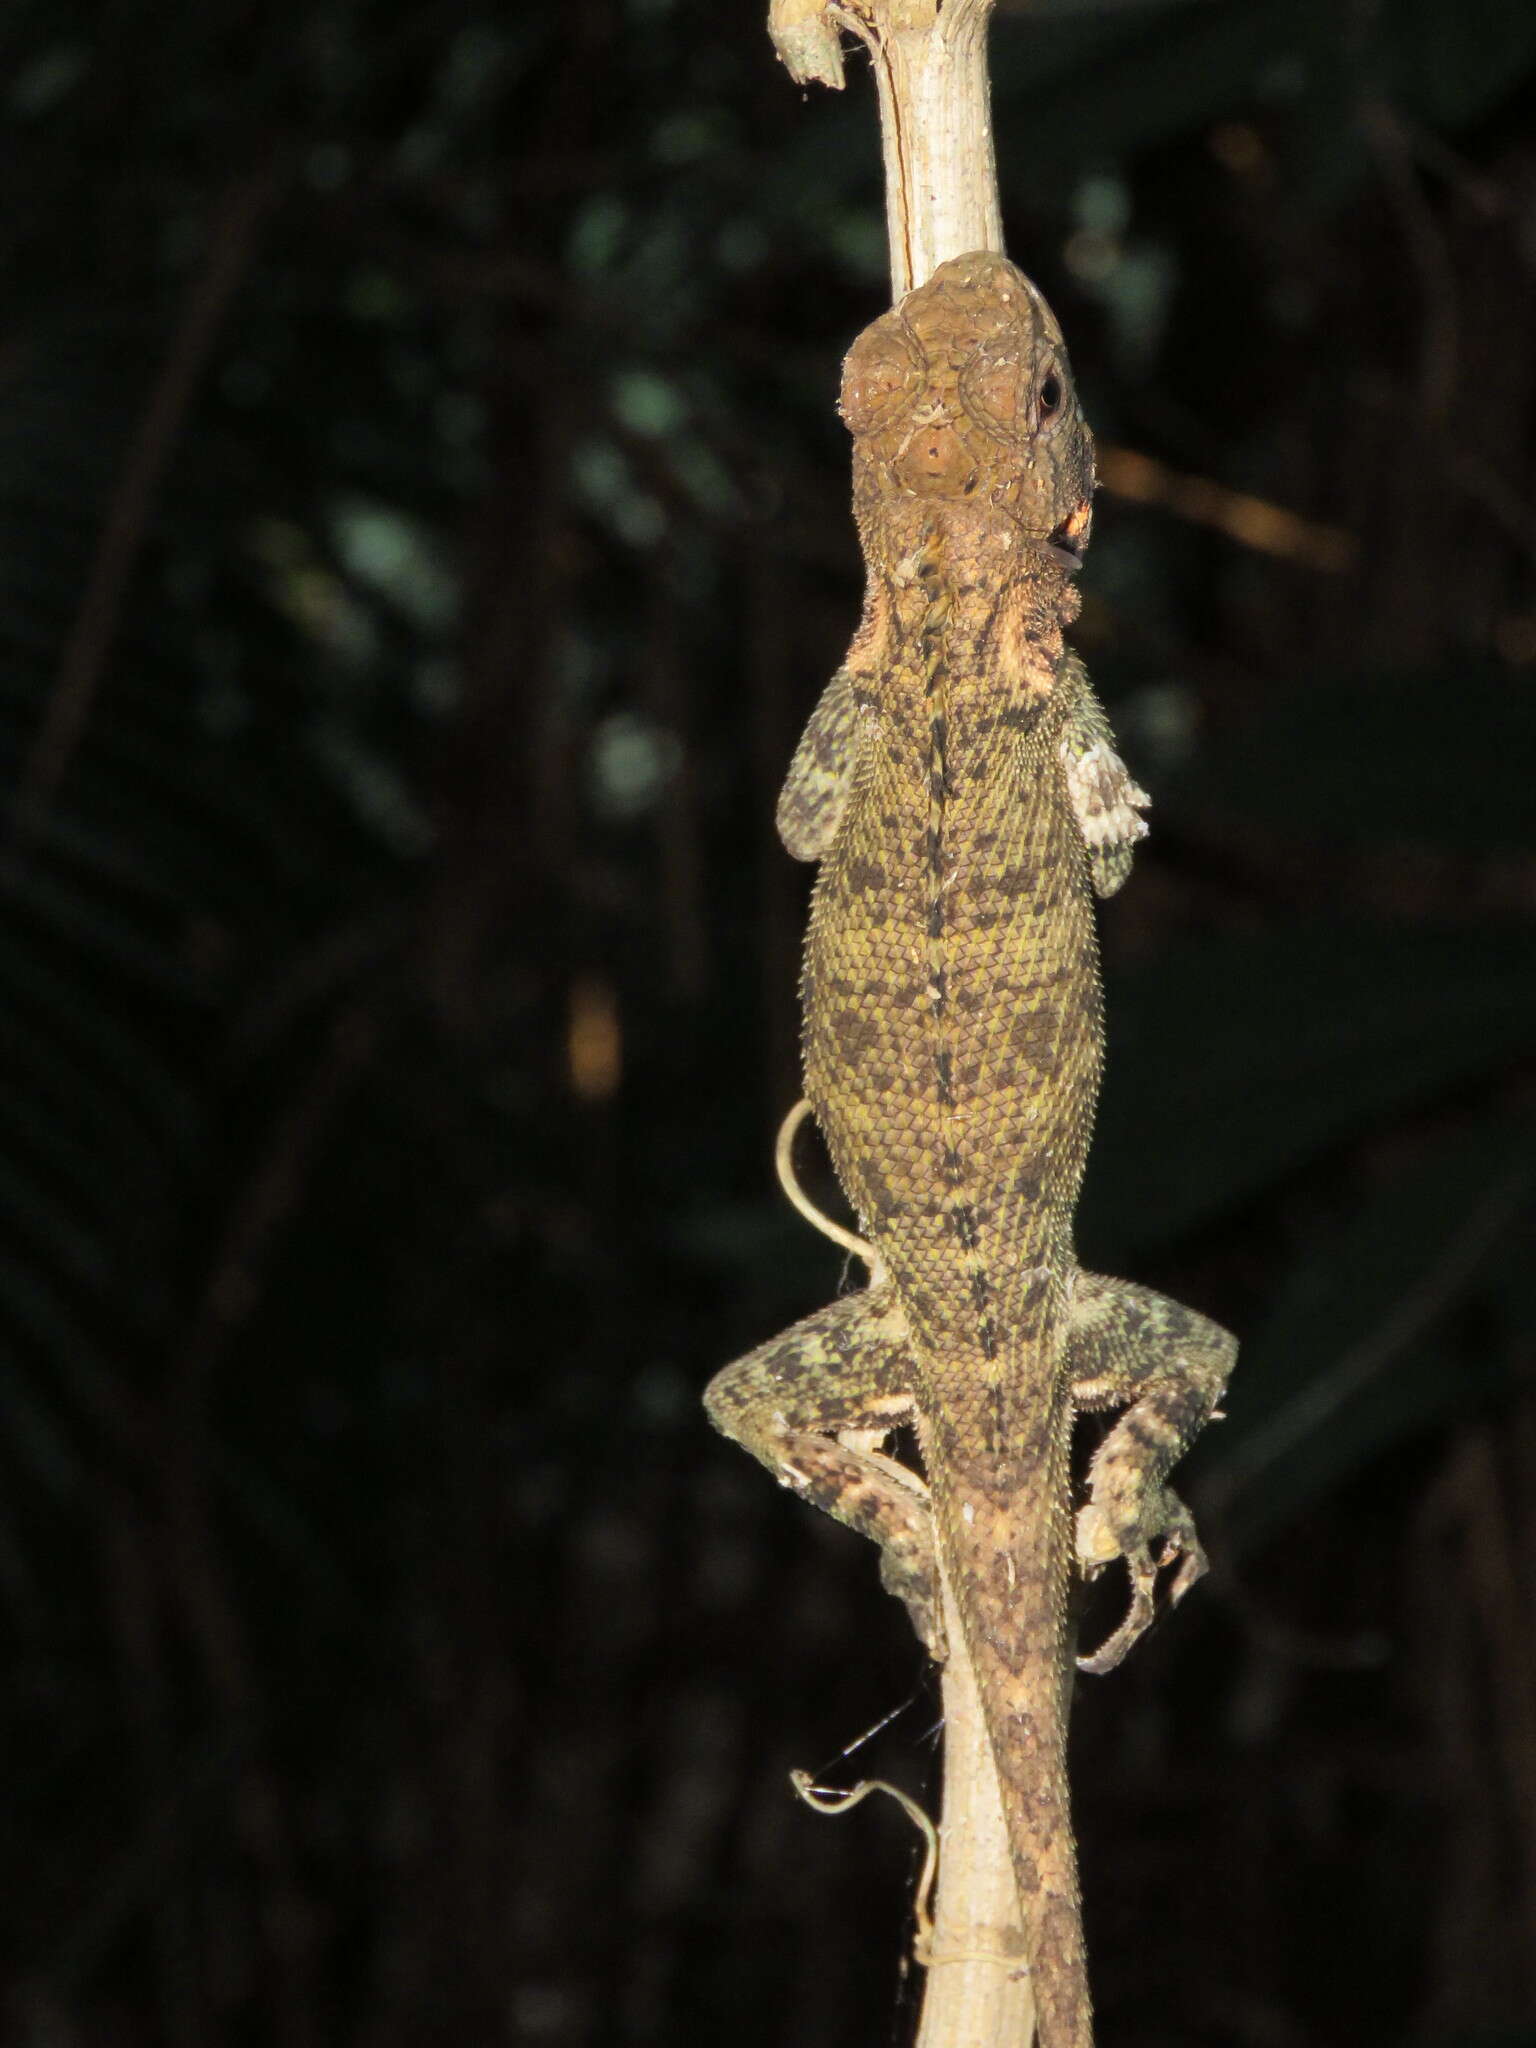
x=1008, y=1537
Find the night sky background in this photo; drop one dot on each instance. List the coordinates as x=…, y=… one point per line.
x=423, y=532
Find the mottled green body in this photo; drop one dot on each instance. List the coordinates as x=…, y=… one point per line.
x=953, y=1033
x=958, y=786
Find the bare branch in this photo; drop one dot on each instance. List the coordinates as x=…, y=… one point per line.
x=930, y=65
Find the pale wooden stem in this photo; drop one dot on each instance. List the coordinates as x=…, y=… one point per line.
x=935, y=130
x=978, y=1993
x=930, y=64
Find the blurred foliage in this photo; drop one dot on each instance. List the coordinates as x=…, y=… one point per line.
x=423, y=529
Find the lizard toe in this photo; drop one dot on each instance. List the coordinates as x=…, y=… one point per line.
x=1102, y=1536
x=1137, y=1621
x=1195, y=1564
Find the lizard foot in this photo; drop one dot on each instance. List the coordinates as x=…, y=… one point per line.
x=1103, y=1536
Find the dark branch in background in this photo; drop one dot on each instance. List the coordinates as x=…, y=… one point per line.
x=232, y=235
x=211, y=1604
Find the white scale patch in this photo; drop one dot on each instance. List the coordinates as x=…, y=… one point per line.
x=1107, y=803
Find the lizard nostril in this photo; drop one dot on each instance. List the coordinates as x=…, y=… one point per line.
x=934, y=461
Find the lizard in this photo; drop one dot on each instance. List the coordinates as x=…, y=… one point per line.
x=959, y=787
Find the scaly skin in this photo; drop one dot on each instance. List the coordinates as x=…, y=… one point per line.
x=960, y=789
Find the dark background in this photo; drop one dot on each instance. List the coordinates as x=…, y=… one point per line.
x=423, y=531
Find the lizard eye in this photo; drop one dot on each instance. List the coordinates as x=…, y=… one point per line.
x=1050, y=398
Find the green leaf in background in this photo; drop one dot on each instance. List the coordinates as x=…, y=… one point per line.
x=1448, y=65
x=1351, y=1359
x=1082, y=85
x=1518, y=2037
x=1094, y=86
x=1236, y=1058
x=1373, y=779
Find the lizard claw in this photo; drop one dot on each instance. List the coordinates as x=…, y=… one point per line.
x=1099, y=1543
x=1112, y=1650
x=1195, y=1566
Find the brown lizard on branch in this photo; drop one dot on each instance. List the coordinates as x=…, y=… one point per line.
x=959, y=786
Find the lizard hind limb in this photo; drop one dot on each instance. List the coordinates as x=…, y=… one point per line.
x=814, y=1404
x=1167, y=1366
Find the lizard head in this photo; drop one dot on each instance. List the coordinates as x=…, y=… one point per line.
x=960, y=398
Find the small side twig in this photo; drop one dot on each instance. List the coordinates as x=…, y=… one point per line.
x=970, y=1934
x=1255, y=523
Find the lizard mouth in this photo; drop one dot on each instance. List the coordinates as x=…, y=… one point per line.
x=1067, y=541
x=1066, y=548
